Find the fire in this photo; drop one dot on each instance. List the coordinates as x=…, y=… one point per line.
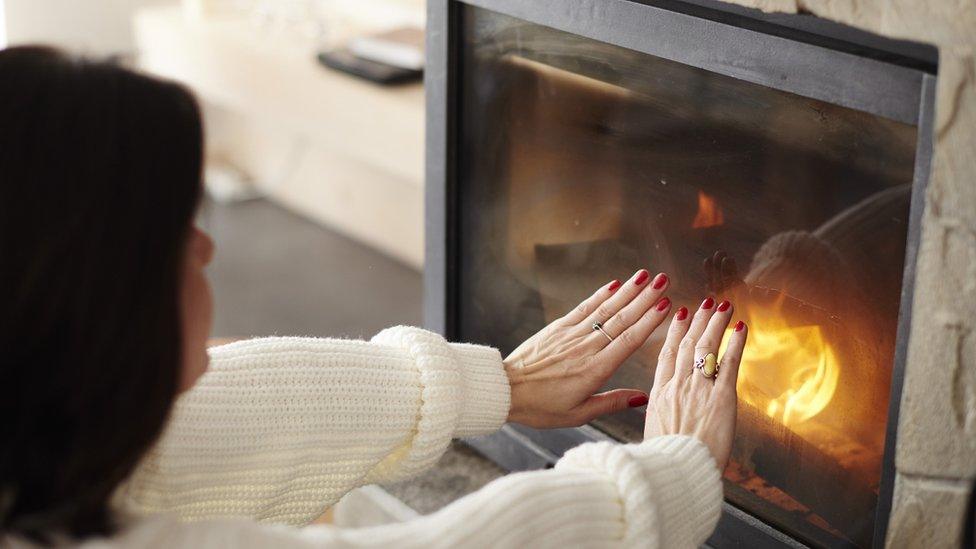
x=709, y=214
x=789, y=371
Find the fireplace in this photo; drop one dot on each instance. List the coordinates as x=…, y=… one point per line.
x=779, y=162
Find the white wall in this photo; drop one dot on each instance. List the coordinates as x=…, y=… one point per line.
x=105, y=26
x=3, y=27
x=91, y=26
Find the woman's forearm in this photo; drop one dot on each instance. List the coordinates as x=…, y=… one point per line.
x=281, y=428
x=665, y=492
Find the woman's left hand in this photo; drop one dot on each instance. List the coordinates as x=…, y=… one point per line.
x=556, y=372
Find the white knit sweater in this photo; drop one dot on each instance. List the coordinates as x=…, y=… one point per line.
x=279, y=429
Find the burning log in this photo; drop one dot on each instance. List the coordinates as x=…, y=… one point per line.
x=846, y=383
x=834, y=484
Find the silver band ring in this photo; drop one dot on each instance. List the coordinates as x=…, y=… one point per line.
x=708, y=365
x=598, y=327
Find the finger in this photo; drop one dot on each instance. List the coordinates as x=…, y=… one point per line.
x=669, y=351
x=624, y=345
x=729, y=273
x=590, y=304
x=711, y=274
x=721, y=261
x=728, y=267
x=610, y=402
x=686, y=347
x=633, y=311
x=718, y=258
x=711, y=338
x=731, y=358
x=627, y=292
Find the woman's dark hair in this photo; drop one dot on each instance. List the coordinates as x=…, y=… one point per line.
x=99, y=181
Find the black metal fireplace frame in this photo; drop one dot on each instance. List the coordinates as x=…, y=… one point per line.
x=841, y=65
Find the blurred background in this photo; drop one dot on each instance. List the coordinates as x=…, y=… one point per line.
x=314, y=169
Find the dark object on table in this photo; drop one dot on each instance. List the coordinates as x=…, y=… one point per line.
x=402, y=47
x=381, y=73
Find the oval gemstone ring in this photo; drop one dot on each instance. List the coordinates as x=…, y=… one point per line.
x=707, y=365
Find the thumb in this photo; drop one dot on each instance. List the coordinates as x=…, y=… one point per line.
x=611, y=402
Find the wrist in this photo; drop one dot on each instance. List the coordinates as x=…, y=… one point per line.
x=515, y=379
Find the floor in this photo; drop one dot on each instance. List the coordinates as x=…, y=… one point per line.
x=460, y=471
x=276, y=273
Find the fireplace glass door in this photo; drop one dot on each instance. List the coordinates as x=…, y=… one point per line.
x=580, y=162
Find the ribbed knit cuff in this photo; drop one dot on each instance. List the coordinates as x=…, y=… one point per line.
x=691, y=492
x=670, y=487
x=485, y=388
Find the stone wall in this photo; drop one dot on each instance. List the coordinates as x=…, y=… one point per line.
x=936, y=456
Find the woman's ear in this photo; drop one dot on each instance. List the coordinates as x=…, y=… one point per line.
x=201, y=246
x=196, y=303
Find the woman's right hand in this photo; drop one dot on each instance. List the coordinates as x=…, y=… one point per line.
x=683, y=401
x=555, y=373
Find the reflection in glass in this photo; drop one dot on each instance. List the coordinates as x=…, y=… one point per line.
x=580, y=162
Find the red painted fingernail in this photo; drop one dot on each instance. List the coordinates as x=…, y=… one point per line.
x=724, y=306
x=682, y=313
x=660, y=281
x=739, y=326
x=637, y=401
x=663, y=304
x=614, y=285
x=707, y=304
x=642, y=277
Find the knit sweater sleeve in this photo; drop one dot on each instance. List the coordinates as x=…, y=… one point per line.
x=279, y=429
x=663, y=493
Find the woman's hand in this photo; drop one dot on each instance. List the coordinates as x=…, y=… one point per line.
x=555, y=374
x=722, y=273
x=684, y=401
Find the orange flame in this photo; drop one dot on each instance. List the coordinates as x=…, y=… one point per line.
x=789, y=371
x=709, y=214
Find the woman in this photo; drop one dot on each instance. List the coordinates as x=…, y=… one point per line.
x=105, y=317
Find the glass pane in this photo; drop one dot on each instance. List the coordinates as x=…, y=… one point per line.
x=580, y=162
